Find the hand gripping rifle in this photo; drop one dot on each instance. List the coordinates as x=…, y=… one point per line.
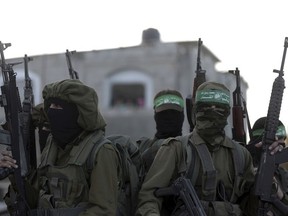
x=72, y=72
x=198, y=80
x=183, y=188
x=10, y=100
x=269, y=163
x=239, y=112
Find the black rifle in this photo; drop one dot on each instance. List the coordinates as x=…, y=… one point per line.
x=73, y=74
x=198, y=80
x=26, y=118
x=239, y=112
x=10, y=100
x=183, y=188
x=269, y=163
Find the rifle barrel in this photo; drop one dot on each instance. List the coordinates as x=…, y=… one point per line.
x=269, y=163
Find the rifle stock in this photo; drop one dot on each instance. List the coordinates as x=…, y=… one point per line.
x=247, y=118
x=198, y=80
x=269, y=163
x=238, y=113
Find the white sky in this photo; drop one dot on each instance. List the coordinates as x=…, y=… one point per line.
x=248, y=34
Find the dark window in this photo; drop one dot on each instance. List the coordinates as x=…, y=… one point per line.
x=127, y=95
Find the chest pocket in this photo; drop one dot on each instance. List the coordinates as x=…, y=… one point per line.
x=68, y=185
x=63, y=187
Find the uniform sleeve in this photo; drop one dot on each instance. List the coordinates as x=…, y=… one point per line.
x=104, y=183
x=163, y=169
x=249, y=203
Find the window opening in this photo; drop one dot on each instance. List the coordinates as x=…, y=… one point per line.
x=128, y=95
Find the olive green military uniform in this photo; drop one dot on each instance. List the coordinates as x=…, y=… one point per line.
x=169, y=117
x=70, y=184
x=174, y=159
x=64, y=181
x=171, y=160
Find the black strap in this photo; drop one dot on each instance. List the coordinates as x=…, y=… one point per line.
x=149, y=154
x=209, y=172
x=239, y=166
x=194, y=166
x=91, y=158
x=208, y=167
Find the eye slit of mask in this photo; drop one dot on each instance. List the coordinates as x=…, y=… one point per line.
x=220, y=111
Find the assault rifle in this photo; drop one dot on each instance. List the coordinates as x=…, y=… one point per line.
x=72, y=72
x=198, y=80
x=26, y=117
x=10, y=100
x=269, y=163
x=239, y=112
x=183, y=188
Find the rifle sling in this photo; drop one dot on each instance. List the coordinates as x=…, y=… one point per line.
x=208, y=167
x=209, y=178
x=194, y=164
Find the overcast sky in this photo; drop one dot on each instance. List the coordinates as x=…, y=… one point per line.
x=248, y=34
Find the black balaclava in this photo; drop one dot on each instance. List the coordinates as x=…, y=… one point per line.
x=63, y=122
x=168, y=123
x=168, y=113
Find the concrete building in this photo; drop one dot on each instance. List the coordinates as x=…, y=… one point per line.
x=126, y=79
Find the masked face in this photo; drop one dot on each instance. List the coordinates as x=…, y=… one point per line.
x=168, y=123
x=210, y=123
x=63, y=121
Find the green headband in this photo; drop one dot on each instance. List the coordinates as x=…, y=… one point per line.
x=168, y=99
x=281, y=132
x=213, y=96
